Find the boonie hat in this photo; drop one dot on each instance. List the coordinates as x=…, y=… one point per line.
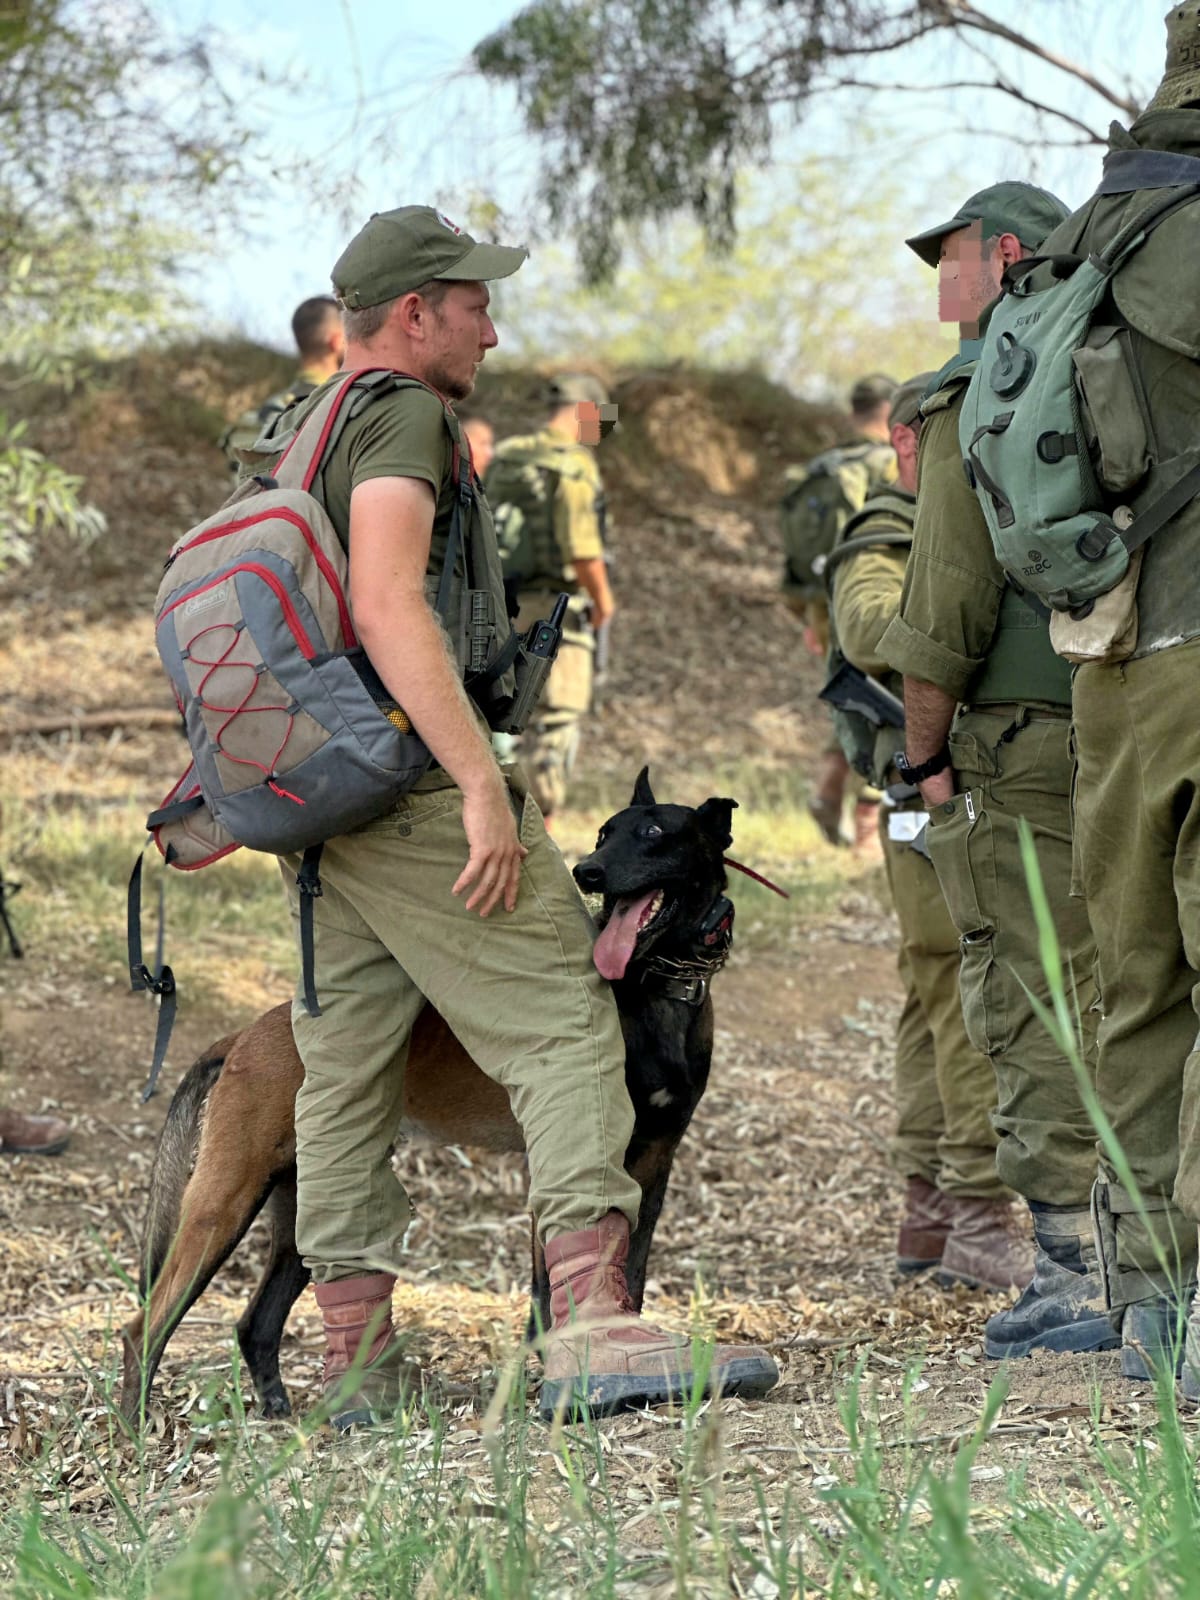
x=397, y=251
x=1180, y=85
x=906, y=402
x=1010, y=207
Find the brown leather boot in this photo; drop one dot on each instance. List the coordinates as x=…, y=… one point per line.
x=989, y=1247
x=924, y=1228
x=32, y=1136
x=358, y=1311
x=600, y=1355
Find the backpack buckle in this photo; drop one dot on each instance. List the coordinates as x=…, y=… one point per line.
x=1093, y=542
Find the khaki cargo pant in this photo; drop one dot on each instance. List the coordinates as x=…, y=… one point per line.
x=1011, y=762
x=1138, y=853
x=521, y=993
x=550, y=743
x=945, y=1088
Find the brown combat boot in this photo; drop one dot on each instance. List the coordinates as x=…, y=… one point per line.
x=32, y=1136
x=358, y=1310
x=989, y=1245
x=600, y=1355
x=924, y=1228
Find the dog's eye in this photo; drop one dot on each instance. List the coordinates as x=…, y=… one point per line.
x=652, y=830
x=600, y=837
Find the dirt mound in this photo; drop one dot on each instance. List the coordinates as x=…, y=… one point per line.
x=704, y=656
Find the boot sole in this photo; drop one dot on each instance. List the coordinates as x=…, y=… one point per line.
x=949, y=1280
x=602, y=1396
x=1081, y=1337
x=910, y=1267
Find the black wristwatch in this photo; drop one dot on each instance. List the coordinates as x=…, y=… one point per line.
x=928, y=769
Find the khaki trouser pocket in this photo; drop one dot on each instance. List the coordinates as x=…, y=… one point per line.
x=961, y=847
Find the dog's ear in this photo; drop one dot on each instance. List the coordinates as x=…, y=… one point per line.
x=714, y=816
x=643, y=794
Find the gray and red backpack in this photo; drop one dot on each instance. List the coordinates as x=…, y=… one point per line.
x=294, y=739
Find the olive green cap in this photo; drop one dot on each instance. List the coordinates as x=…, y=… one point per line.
x=1180, y=85
x=397, y=251
x=569, y=388
x=1021, y=208
x=906, y=402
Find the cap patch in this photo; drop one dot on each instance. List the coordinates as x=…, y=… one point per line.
x=446, y=223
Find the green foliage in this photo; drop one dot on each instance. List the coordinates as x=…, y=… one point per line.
x=646, y=108
x=119, y=146
x=798, y=296
x=35, y=495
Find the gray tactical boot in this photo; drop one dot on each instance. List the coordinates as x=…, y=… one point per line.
x=1063, y=1307
x=988, y=1246
x=1190, y=1375
x=1153, y=1336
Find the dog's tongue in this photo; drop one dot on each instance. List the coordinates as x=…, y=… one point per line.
x=615, y=944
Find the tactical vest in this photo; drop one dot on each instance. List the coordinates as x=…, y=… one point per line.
x=1021, y=663
x=522, y=487
x=868, y=749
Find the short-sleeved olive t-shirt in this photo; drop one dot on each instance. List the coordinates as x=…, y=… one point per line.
x=577, y=503
x=398, y=435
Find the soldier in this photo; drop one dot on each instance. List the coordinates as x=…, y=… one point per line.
x=548, y=502
x=1136, y=734
x=317, y=330
x=957, y=1212
x=398, y=920
x=965, y=639
x=817, y=500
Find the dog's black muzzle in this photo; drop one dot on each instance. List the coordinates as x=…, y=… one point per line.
x=590, y=875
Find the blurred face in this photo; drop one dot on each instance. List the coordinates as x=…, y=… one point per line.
x=587, y=422
x=483, y=442
x=969, y=273
x=457, y=336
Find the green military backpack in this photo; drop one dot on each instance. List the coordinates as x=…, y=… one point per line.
x=522, y=485
x=818, y=499
x=1052, y=407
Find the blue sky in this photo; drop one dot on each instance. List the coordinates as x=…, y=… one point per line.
x=452, y=136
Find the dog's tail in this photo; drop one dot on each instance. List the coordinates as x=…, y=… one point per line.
x=175, y=1158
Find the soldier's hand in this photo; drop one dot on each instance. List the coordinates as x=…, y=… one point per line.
x=493, y=869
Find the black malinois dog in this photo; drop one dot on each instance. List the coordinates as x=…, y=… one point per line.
x=228, y=1146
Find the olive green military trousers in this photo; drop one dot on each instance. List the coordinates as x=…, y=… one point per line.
x=550, y=743
x=520, y=991
x=1138, y=848
x=1010, y=762
x=945, y=1088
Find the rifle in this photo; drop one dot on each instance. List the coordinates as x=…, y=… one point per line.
x=538, y=648
x=850, y=689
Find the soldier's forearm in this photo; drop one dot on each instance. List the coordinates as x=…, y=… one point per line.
x=928, y=714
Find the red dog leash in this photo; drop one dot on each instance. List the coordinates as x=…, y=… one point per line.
x=757, y=876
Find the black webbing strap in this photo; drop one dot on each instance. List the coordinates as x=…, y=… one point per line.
x=1128, y=170
x=7, y=889
x=308, y=882
x=1005, y=516
x=1159, y=512
x=160, y=981
x=173, y=812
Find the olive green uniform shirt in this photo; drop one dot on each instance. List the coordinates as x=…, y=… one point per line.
x=953, y=584
x=866, y=596
x=578, y=524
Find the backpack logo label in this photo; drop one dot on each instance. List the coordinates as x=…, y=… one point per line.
x=1038, y=563
x=205, y=601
